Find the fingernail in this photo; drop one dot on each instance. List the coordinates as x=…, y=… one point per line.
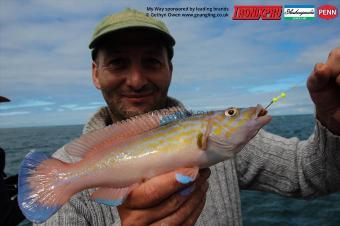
x=187, y=191
x=183, y=179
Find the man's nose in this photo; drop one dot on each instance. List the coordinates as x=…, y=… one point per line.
x=136, y=78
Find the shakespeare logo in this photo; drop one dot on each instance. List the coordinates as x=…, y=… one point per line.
x=299, y=12
x=327, y=12
x=253, y=12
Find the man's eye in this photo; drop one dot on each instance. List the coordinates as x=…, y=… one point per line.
x=118, y=63
x=152, y=62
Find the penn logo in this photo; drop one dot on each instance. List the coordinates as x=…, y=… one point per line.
x=327, y=12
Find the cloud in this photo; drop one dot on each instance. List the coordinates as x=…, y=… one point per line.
x=247, y=50
x=99, y=103
x=297, y=101
x=13, y=113
x=218, y=62
x=318, y=53
x=82, y=108
x=69, y=106
x=46, y=119
x=26, y=104
x=280, y=85
x=76, y=107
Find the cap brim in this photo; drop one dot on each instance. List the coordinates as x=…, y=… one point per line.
x=110, y=30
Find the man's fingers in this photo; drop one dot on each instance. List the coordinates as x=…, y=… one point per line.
x=338, y=80
x=191, y=220
x=159, y=188
x=185, y=210
x=167, y=207
x=155, y=190
x=178, y=200
x=319, y=77
x=333, y=61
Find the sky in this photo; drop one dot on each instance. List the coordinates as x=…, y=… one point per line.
x=45, y=63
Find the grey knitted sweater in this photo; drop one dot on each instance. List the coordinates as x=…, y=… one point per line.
x=268, y=162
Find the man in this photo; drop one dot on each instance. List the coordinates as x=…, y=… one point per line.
x=132, y=68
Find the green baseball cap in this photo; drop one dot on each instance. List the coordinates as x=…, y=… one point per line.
x=129, y=19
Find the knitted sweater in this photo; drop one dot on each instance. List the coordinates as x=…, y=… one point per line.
x=268, y=162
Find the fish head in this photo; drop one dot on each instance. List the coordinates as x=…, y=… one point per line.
x=238, y=125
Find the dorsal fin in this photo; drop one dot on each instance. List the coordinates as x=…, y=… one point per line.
x=125, y=129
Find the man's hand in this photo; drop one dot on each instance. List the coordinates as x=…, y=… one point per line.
x=162, y=200
x=324, y=88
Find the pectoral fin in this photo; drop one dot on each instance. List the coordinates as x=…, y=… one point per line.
x=112, y=196
x=202, y=139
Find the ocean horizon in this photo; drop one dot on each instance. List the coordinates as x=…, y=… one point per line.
x=82, y=124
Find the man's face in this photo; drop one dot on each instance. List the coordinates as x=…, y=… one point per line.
x=133, y=75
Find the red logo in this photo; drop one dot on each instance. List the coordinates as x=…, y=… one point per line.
x=254, y=12
x=327, y=12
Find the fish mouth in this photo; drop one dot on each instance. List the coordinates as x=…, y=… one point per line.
x=260, y=111
x=261, y=116
x=257, y=112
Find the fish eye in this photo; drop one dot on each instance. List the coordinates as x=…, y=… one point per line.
x=231, y=112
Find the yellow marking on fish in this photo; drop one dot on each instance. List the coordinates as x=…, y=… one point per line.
x=240, y=123
x=231, y=120
x=246, y=115
x=218, y=127
x=175, y=129
x=219, y=117
x=182, y=133
x=215, y=124
x=176, y=136
x=175, y=146
x=218, y=130
x=230, y=132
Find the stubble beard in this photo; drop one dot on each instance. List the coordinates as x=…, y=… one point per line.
x=119, y=111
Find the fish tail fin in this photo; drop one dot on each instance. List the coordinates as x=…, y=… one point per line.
x=40, y=190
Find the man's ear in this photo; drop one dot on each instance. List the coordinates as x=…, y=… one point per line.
x=95, y=75
x=170, y=67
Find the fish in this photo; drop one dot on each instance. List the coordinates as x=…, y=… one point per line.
x=117, y=158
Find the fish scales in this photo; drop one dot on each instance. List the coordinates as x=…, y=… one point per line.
x=161, y=140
